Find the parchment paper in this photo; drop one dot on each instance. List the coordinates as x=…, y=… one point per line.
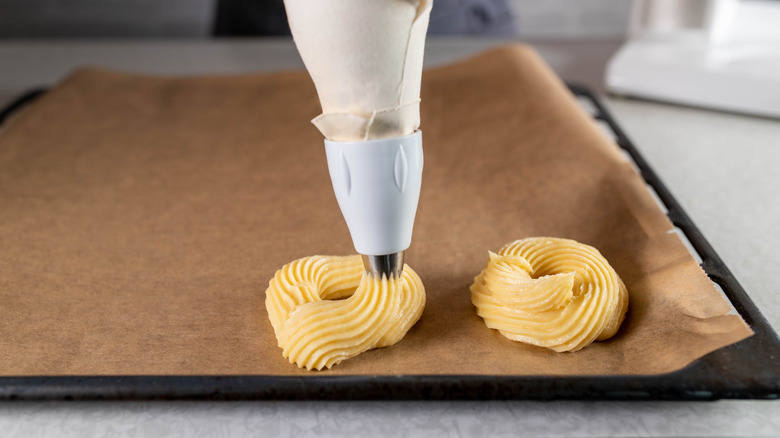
x=142, y=218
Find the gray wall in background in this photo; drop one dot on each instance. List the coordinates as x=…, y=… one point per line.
x=193, y=18
x=105, y=18
x=572, y=18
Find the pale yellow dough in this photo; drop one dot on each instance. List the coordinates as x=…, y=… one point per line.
x=325, y=309
x=550, y=292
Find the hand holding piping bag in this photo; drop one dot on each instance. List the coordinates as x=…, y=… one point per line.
x=365, y=58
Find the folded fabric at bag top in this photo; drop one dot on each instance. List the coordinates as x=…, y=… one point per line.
x=365, y=58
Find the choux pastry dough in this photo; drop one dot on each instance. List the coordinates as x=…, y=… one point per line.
x=327, y=309
x=550, y=292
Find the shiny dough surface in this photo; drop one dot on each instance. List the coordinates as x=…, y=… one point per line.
x=550, y=292
x=325, y=309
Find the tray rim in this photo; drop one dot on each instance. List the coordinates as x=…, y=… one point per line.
x=701, y=380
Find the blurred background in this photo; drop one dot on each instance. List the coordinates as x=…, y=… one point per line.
x=206, y=18
x=719, y=54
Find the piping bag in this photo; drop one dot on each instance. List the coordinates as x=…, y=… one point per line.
x=365, y=58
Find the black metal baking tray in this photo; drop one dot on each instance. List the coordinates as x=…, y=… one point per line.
x=749, y=369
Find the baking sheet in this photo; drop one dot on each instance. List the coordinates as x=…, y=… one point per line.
x=352, y=382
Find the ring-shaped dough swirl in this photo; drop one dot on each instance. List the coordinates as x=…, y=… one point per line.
x=550, y=292
x=326, y=309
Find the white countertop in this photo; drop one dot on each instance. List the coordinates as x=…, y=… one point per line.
x=721, y=167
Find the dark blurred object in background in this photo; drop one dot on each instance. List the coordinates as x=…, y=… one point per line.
x=454, y=17
x=237, y=18
x=472, y=17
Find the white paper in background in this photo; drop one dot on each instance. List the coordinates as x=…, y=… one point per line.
x=365, y=57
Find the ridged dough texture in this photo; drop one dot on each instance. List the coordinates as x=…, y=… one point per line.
x=550, y=292
x=325, y=309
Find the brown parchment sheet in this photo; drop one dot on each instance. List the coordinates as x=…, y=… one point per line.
x=141, y=219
